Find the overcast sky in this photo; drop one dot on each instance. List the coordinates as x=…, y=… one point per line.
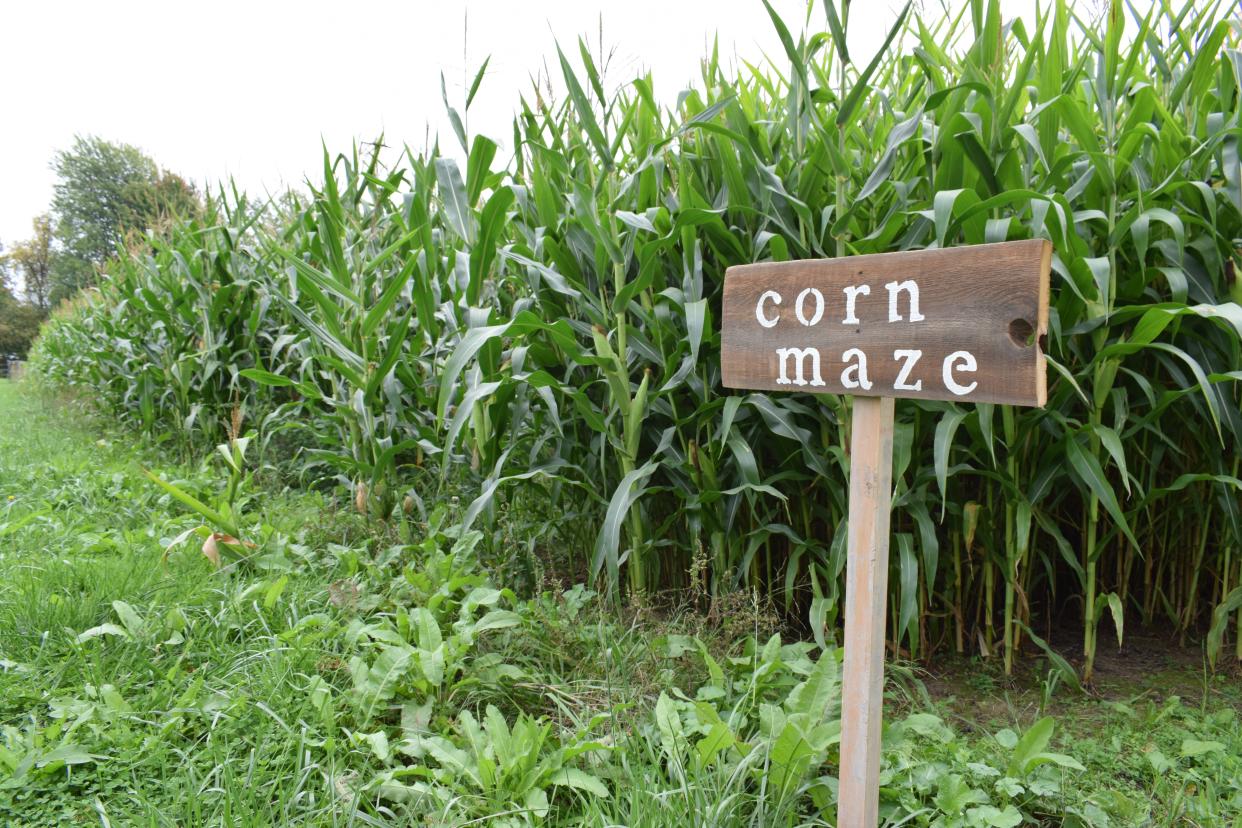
x=249, y=89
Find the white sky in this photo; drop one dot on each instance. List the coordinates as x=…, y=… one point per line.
x=248, y=89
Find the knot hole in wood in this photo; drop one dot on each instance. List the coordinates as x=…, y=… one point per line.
x=1022, y=333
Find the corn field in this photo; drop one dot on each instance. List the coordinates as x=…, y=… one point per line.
x=541, y=325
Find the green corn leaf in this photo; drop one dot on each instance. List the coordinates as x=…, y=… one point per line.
x=1221, y=616
x=209, y=514
x=1118, y=612
x=392, y=352
x=467, y=347
x=477, y=82
x=318, y=278
x=1087, y=468
x=945, y=430
x=585, y=114
x=478, y=167
x=392, y=292
x=607, y=557
x=266, y=377
x=837, y=30
x=459, y=129
x=908, y=566
x=455, y=199
x=796, y=59
x=1112, y=444
x=860, y=85
x=349, y=363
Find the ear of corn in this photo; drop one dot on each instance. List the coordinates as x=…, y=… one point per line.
x=555, y=317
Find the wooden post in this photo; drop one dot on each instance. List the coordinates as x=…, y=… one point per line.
x=862, y=698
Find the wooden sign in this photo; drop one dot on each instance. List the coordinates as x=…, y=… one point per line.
x=961, y=323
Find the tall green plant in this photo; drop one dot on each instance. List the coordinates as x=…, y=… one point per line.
x=549, y=320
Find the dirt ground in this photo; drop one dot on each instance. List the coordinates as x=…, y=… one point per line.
x=1151, y=667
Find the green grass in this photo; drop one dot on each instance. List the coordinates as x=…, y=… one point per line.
x=351, y=675
x=192, y=716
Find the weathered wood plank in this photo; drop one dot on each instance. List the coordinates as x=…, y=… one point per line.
x=960, y=323
x=866, y=574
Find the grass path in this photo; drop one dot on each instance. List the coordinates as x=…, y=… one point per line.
x=134, y=691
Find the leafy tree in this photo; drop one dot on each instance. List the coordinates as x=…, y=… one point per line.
x=19, y=323
x=33, y=259
x=107, y=191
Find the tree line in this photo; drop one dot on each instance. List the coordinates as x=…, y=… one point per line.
x=108, y=196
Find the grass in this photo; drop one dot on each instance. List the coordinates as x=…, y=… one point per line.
x=191, y=715
x=353, y=675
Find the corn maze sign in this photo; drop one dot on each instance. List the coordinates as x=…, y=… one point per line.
x=952, y=324
x=962, y=324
